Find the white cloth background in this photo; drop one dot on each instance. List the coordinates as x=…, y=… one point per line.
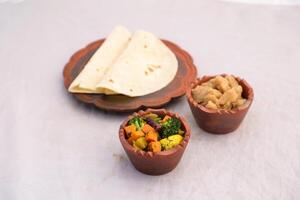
x=271, y=2
x=53, y=147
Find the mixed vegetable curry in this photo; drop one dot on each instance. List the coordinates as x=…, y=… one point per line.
x=154, y=133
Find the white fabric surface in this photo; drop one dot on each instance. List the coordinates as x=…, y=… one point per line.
x=271, y=2
x=52, y=147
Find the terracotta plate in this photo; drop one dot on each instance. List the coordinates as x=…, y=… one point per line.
x=185, y=75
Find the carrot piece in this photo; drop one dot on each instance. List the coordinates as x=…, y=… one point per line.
x=154, y=146
x=129, y=129
x=147, y=128
x=130, y=140
x=151, y=136
x=166, y=118
x=136, y=135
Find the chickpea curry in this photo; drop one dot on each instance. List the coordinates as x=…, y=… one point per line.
x=219, y=93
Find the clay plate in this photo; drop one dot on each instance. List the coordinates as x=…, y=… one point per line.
x=185, y=75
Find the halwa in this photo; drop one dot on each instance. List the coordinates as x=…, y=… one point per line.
x=219, y=93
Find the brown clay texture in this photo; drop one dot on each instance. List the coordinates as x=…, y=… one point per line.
x=155, y=163
x=120, y=103
x=219, y=121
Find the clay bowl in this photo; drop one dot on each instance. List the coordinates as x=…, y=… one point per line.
x=155, y=163
x=219, y=121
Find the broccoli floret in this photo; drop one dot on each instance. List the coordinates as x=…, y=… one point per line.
x=170, y=127
x=138, y=122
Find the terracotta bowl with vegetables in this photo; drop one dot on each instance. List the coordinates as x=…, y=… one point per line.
x=154, y=140
x=219, y=103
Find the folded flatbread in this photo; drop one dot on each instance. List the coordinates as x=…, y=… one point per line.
x=102, y=59
x=145, y=66
x=135, y=68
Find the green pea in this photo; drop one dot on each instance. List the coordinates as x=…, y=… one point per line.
x=180, y=132
x=151, y=116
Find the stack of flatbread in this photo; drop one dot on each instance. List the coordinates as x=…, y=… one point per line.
x=130, y=64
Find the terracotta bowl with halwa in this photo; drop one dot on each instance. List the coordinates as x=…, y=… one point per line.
x=219, y=103
x=154, y=140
